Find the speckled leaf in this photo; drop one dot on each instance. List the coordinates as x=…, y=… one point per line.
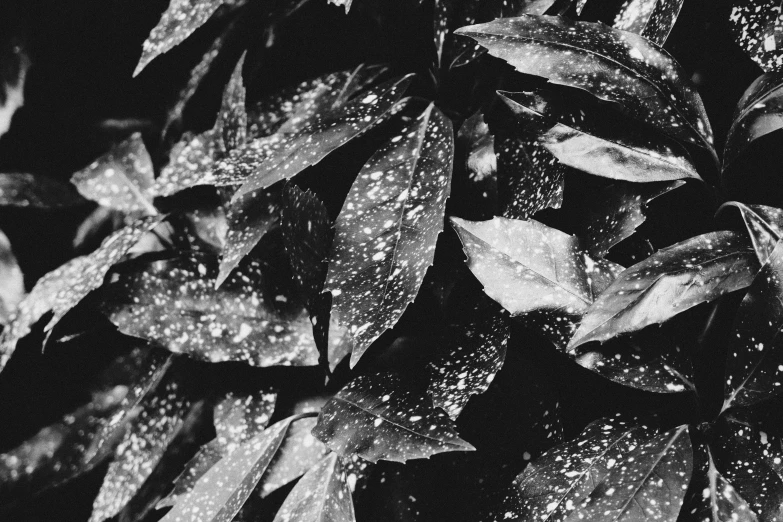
x=741, y=453
x=160, y=417
x=379, y=417
x=481, y=162
x=232, y=118
x=612, y=65
x=757, y=27
x=220, y=493
x=653, y=19
x=63, y=288
x=322, y=495
x=556, y=484
x=11, y=281
x=467, y=362
x=121, y=179
x=386, y=232
x=174, y=303
x=180, y=19
x=249, y=219
x=190, y=163
x=314, y=142
x=596, y=141
x=754, y=369
x=672, y=280
x=764, y=224
x=30, y=190
x=238, y=418
x=718, y=501
x=619, y=211
x=759, y=112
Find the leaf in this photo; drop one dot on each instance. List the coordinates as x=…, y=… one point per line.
x=610, y=64
x=612, y=471
x=756, y=28
x=11, y=281
x=63, y=288
x=322, y=494
x=764, y=224
x=232, y=118
x=759, y=112
x=346, y=3
x=174, y=303
x=14, y=74
x=238, y=418
x=180, y=20
x=386, y=232
x=30, y=190
x=147, y=439
x=190, y=163
x=481, y=162
x=379, y=417
x=672, y=280
x=324, y=134
x=121, y=179
x=467, y=362
x=653, y=19
x=717, y=500
x=592, y=139
x=220, y=493
x=619, y=211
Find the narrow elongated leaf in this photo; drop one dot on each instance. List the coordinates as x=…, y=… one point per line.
x=232, y=118
x=717, y=500
x=11, y=280
x=756, y=27
x=30, y=190
x=177, y=23
x=220, y=493
x=379, y=417
x=467, y=362
x=63, y=288
x=754, y=370
x=321, y=495
x=386, y=232
x=759, y=112
x=311, y=144
x=612, y=65
x=174, y=303
x=590, y=139
x=121, y=179
x=653, y=19
x=672, y=280
x=620, y=210
x=147, y=439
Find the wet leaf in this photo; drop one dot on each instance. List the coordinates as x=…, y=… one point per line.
x=386, y=232
x=590, y=139
x=759, y=112
x=63, y=288
x=653, y=19
x=467, y=362
x=619, y=211
x=764, y=224
x=612, y=65
x=174, y=303
x=180, y=20
x=757, y=28
x=11, y=281
x=314, y=142
x=121, y=179
x=672, y=280
x=322, y=494
x=380, y=417
x=220, y=493
x=30, y=190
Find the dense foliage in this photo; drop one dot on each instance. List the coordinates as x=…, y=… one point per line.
x=512, y=275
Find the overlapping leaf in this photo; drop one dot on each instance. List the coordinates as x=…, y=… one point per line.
x=759, y=112
x=672, y=280
x=764, y=224
x=232, y=118
x=653, y=19
x=62, y=289
x=714, y=499
x=595, y=141
x=174, y=303
x=322, y=494
x=757, y=27
x=379, y=417
x=28, y=190
x=387, y=229
x=11, y=280
x=220, y=493
x=612, y=65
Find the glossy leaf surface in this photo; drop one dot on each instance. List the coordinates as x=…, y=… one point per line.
x=653, y=19
x=764, y=224
x=756, y=27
